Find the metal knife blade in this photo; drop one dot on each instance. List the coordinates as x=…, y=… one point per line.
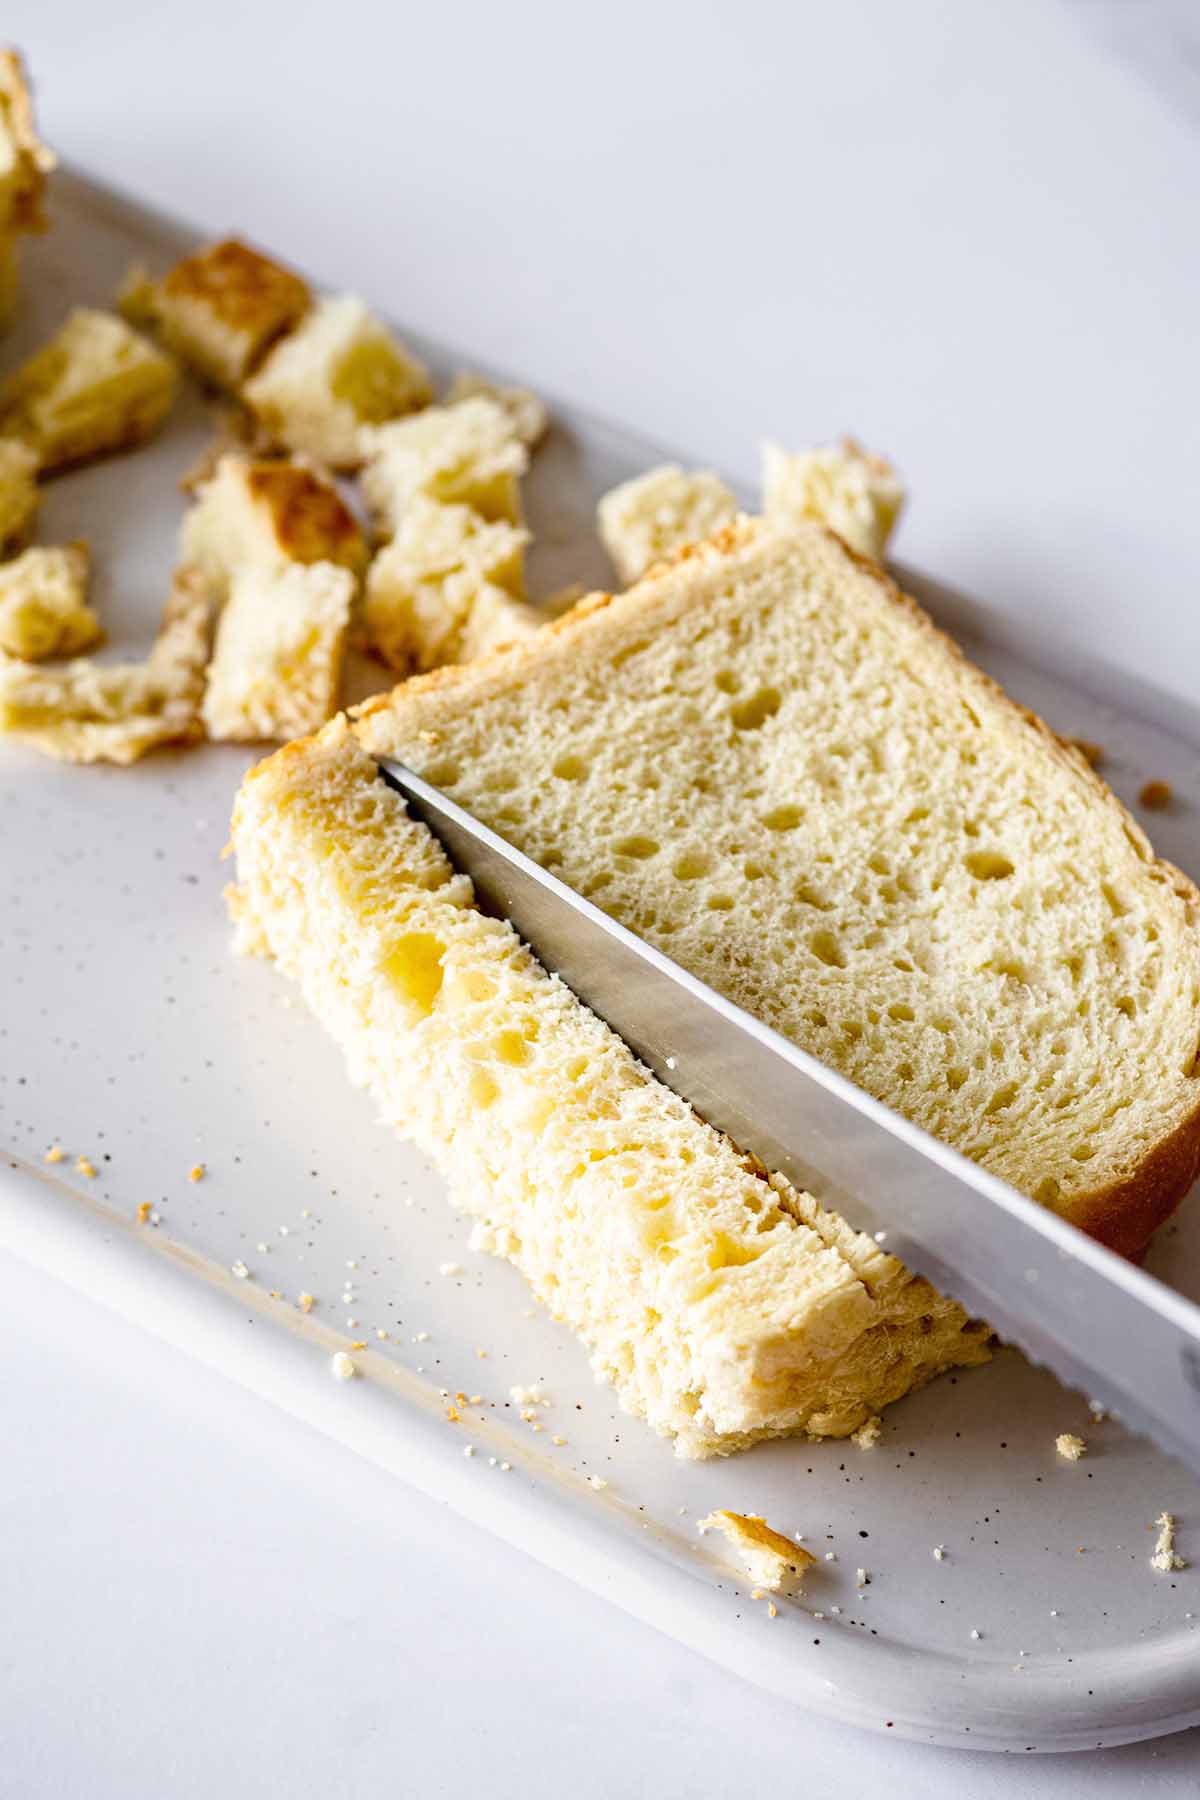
x=1127, y=1341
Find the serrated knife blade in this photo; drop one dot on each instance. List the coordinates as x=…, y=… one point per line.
x=1125, y=1340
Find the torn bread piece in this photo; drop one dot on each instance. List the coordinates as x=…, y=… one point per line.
x=853, y=491
x=18, y=493
x=422, y=585
x=87, y=712
x=265, y=514
x=467, y=454
x=339, y=370
x=722, y=1306
x=771, y=1560
x=768, y=762
x=655, y=514
x=494, y=622
x=96, y=387
x=278, y=654
x=44, y=608
x=25, y=162
x=219, y=309
x=528, y=415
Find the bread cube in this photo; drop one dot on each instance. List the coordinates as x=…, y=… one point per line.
x=857, y=494
x=96, y=387
x=219, y=309
x=422, y=586
x=655, y=514
x=466, y=454
x=495, y=621
x=86, y=712
x=278, y=656
x=24, y=164
x=526, y=411
x=339, y=370
x=43, y=603
x=18, y=493
x=255, y=513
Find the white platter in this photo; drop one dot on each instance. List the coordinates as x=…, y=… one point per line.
x=129, y=1034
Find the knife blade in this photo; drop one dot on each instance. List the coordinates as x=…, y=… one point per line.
x=1127, y=1341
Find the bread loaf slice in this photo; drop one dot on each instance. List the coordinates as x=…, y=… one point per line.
x=724, y=1307
x=767, y=761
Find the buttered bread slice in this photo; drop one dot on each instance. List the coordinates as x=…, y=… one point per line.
x=765, y=760
x=723, y=1306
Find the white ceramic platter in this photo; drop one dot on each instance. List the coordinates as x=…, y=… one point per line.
x=129, y=1034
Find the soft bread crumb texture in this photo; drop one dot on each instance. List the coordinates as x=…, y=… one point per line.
x=849, y=489
x=766, y=761
x=264, y=514
x=44, y=607
x=96, y=387
x=87, y=712
x=1070, y=1446
x=468, y=454
x=723, y=1307
x=526, y=412
x=219, y=309
x=1166, y=1559
x=771, y=1560
x=867, y=1435
x=424, y=585
x=656, y=514
x=279, y=649
x=339, y=370
x=18, y=493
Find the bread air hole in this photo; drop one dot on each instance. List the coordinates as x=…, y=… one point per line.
x=639, y=848
x=693, y=865
x=1047, y=1191
x=719, y=903
x=826, y=949
x=570, y=768
x=1127, y=1005
x=414, y=967
x=901, y=1010
x=1001, y=1099
x=727, y=681
x=956, y=1077
x=749, y=715
x=442, y=774
x=783, y=818
x=988, y=865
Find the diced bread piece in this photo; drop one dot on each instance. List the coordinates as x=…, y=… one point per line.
x=263, y=514
x=43, y=603
x=339, y=370
x=278, y=655
x=220, y=309
x=494, y=622
x=724, y=1308
x=853, y=491
x=526, y=411
x=87, y=712
x=25, y=163
x=771, y=1560
x=655, y=514
x=422, y=585
x=18, y=493
x=767, y=761
x=96, y=387
x=467, y=454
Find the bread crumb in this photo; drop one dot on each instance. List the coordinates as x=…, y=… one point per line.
x=770, y=1559
x=197, y=1172
x=240, y=1269
x=939, y=1553
x=772, y=1610
x=342, y=1367
x=143, y=1212
x=867, y=1435
x=450, y=1268
x=1069, y=1446
x=305, y=1302
x=85, y=1167
x=861, y=1578
x=597, y=1481
x=976, y=1634
x=1156, y=796
x=358, y=1344
x=1093, y=754
x=1165, y=1558
x=54, y=1154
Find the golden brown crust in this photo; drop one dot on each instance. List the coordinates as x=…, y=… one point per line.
x=35, y=158
x=1122, y=1214
x=242, y=288
x=312, y=522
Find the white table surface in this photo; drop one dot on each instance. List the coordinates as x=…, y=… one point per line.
x=965, y=232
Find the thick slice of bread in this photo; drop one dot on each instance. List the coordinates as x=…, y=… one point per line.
x=659, y=512
x=219, y=309
x=18, y=493
x=339, y=370
x=768, y=762
x=87, y=712
x=278, y=655
x=853, y=491
x=422, y=587
x=96, y=387
x=44, y=607
x=723, y=1306
x=468, y=454
x=264, y=514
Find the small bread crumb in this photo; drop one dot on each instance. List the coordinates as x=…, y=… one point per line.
x=939, y=1553
x=770, y=1559
x=342, y=1367
x=1165, y=1559
x=240, y=1269
x=143, y=1212
x=54, y=1154
x=197, y=1172
x=1069, y=1446
x=85, y=1167
x=867, y=1435
x=1156, y=796
x=306, y=1302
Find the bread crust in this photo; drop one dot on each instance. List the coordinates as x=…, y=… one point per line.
x=1122, y=1214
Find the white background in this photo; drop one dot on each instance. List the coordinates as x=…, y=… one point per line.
x=965, y=231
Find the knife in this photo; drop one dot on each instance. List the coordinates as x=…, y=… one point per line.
x=1128, y=1342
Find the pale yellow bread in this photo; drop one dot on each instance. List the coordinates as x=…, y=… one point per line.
x=425, y=583
x=266, y=513
x=723, y=1307
x=468, y=454
x=44, y=607
x=97, y=386
x=767, y=761
x=278, y=654
x=771, y=1560
x=219, y=309
x=855, y=492
x=655, y=514
x=25, y=163
x=19, y=495
x=527, y=413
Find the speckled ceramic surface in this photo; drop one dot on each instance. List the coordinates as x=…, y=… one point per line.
x=131, y=1036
